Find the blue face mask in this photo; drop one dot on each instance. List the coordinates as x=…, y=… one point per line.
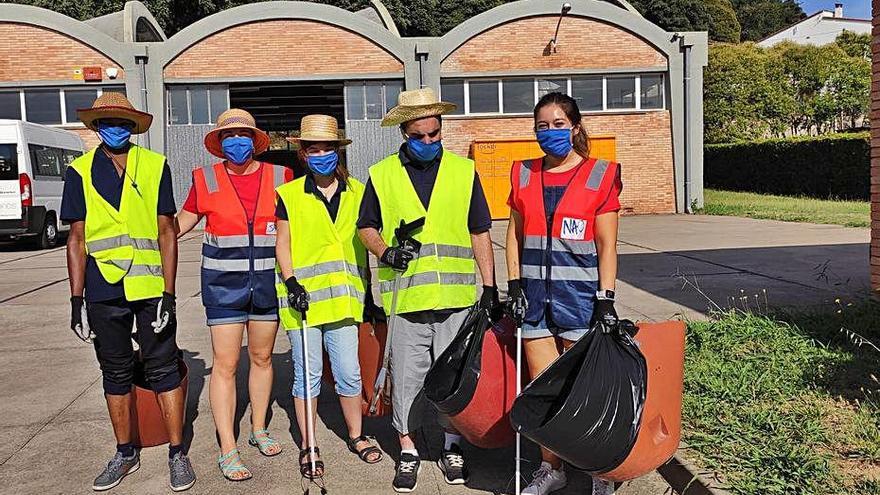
x=324, y=164
x=555, y=142
x=114, y=136
x=237, y=149
x=424, y=152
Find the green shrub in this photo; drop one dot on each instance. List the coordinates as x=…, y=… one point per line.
x=830, y=166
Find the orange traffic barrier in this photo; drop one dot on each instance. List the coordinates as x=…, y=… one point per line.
x=662, y=344
x=148, y=425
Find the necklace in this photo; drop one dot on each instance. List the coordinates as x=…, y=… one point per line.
x=123, y=169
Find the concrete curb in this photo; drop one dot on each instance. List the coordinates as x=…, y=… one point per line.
x=687, y=479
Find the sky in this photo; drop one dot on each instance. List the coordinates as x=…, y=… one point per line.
x=851, y=8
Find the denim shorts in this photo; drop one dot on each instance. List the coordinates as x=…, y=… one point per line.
x=542, y=329
x=228, y=316
x=341, y=341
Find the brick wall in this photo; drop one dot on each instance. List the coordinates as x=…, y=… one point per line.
x=89, y=137
x=583, y=44
x=875, y=152
x=29, y=53
x=282, y=48
x=644, y=148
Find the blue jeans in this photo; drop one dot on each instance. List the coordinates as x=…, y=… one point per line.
x=341, y=341
x=543, y=329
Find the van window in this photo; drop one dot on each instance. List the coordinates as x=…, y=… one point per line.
x=45, y=161
x=68, y=157
x=8, y=162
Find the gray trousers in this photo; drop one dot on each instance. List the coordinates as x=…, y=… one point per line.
x=417, y=340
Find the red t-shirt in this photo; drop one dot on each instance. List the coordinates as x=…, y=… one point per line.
x=550, y=179
x=246, y=186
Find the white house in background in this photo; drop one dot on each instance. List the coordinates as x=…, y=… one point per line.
x=821, y=28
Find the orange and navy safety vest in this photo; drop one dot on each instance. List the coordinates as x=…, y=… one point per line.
x=560, y=271
x=238, y=253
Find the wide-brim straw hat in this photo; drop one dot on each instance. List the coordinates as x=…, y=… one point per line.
x=318, y=129
x=112, y=105
x=416, y=104
x=235, y=118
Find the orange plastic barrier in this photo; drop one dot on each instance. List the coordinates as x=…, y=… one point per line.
x=494, y=159
x=371, y=349
x=148, y=425
x=662, y=344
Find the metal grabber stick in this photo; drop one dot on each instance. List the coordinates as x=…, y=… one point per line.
x=310, y=421
x=518, y=390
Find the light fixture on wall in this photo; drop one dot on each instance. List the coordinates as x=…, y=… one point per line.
x=551, y=47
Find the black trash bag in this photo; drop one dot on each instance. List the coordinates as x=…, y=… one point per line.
x=452, y=379
x=586, y=407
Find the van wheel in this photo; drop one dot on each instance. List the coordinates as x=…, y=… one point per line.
x=48, y=237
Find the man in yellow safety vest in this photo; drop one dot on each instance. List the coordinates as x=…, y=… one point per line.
x=436, y=285
x=122, y=263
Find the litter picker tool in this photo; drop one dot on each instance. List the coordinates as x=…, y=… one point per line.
x=518, y=470
x=310, y=420
x=404, y=235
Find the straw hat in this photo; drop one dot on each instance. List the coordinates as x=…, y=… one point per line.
x=318, y=129
x=416, y=104
x=235, y=118
x=112, y=105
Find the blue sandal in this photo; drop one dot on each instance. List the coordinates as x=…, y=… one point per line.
x=232, y=467
x=264, y=443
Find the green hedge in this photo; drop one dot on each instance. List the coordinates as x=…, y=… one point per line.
x=831, y=166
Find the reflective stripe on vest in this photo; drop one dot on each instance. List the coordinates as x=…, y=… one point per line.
x=328, y=258
x=124, y=242
x=443, y=275
x=563, y=261
x=238, y=255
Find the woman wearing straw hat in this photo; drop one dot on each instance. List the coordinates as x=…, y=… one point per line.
x=122, y=256
x=236, y=197
x=325, y=289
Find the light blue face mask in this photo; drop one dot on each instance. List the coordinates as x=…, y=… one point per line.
x=114, y=136
x=424, y=152
x=324, y=164
x=237, y=149
x=555, y=142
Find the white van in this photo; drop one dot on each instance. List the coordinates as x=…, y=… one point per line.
x=33, y=160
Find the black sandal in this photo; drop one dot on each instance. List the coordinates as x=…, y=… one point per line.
x=366, y=452
x=305, y=468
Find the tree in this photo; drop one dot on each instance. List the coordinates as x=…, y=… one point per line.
x=675, y=15
x=855, y=44
x=760, y=18
x=723, y=25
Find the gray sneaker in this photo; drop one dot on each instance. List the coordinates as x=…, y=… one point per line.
x=182, y=475
x=119, y=467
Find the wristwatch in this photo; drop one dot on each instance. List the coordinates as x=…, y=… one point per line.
x=605, y=295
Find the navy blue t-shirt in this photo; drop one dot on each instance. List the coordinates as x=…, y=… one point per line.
x=310, y=187
x=109, y=184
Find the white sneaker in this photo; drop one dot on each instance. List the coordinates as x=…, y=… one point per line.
x=602, y=487
x=546, y=480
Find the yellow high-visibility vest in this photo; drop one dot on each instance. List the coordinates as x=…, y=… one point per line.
x=125, y=242
x=443, y=275
x=328, y=258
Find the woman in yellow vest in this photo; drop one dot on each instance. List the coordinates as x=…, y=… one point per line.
x=324, y=271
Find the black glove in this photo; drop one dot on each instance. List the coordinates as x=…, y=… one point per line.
x=297, y=296
x=489, y=299
x=372, y=314
x=603, y=312
x=397, y=258
x=516, y=301
x=79, y=322
x=166, y=313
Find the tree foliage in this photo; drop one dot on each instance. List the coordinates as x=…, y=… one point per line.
x=855, y=44
x=723, y=25
x=760, y=18
x=676, y=15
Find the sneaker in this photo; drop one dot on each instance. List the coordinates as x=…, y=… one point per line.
x=451, y=462
x=119, y=467
x=182, y=475
x=407, y=476
x=546, y=480
x=602, y=487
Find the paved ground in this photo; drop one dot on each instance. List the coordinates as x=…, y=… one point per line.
x=53, y=423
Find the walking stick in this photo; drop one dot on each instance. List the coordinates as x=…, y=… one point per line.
x=310, y=423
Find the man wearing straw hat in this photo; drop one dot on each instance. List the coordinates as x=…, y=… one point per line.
x=436, y=285
x=122, y=264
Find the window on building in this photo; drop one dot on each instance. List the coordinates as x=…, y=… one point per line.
x=588, y=93
x=75, y=99
x=546, y=86
x=452, y=91
x=42, y=106
x=46, y=161
x=519, y=95
x=483, y=96
x=197, y=105
x=621, y=92
x=370, y=100
x=652, y=92
x=10, y=105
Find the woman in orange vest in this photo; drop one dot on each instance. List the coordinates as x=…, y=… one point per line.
x=561, y=250
x=236, y=197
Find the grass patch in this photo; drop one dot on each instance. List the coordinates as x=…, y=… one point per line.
x=787, y=403
x=787, y=209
